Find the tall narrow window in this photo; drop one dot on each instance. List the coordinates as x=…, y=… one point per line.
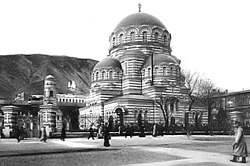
x=143, y=73
x=113, y=42
x=132, y=36
x=144, y=36
x=121, y=38
x=164, y=71
x=165, y=39
x=110, y=75
x=97, y=76
x=156, y=36
x=171, y=70
x=103, y=75
x=51, y=93
x=149, y=72
x=156, y=70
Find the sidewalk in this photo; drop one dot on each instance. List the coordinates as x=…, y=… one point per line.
x=193, y=158
x=32, y=146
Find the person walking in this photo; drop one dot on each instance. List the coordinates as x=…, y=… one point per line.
x=43, y=134
x=106, y=135
x=99, y=132
x=18, y=134
x=63, y=133
x=91, y=132
x=131, y=130
x=239, y=145
x=154, y=130
x=127, y=130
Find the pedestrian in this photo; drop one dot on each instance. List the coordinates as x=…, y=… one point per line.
x=161, y=129
x=43, y=134
x=239, y=145
x=18, y=134
x=154, y=134
x=99, y=132
x=127, y=130
x=106, y=135
x=131, y=131
x=91, y=132
x=63, y=133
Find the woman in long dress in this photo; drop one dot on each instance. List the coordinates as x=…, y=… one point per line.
x=106, y=135
x=43, y=135
x=239, y=145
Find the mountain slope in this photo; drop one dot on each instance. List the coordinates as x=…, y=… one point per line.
x=26, y=73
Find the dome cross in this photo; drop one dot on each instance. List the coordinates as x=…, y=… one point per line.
x=139, y=6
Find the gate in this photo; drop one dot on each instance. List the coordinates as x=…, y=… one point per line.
x=86, y=120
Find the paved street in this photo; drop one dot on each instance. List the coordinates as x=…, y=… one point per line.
x=167, y=150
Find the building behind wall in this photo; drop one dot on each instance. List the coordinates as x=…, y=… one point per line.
x=236, y=105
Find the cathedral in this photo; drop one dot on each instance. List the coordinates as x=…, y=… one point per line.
x=138, y=69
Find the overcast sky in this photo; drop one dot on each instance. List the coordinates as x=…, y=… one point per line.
x=208, y=36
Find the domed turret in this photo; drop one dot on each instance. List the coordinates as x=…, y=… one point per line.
x=138, y=19
x=139, y=30
x=107, y=69
x=108, y=63
x=49, y=90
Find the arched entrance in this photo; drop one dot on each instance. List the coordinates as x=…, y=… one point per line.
x=120, y=111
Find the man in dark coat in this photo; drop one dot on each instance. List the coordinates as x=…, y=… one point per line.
x=63, y=133
x=91, y=132
x=154, y=133
x=18, y=134
x=43, y=134
x=239, y=145
x=106, y=135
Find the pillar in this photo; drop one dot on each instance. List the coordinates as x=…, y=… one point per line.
x=10, y=120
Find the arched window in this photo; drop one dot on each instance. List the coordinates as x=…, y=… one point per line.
x=177, y=71
x=103, y=75
x=156, y=70
x=149, y=72
x=165, y=39
x=144, y=36
x=164, y=71
x=96, y=76
x=110, y=74
x=51, y=93
x=113, y=42
x=132, y=36
x=143, y=73
x=156, y=36
x=121, y=38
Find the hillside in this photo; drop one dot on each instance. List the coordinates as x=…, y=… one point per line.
x=26, y=73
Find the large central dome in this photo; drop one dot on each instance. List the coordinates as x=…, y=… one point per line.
x=139, y=19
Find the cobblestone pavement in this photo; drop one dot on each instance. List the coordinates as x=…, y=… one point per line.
x=167, y=150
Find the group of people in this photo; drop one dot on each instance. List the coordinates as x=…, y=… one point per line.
x=103, y=131
x=239, y=145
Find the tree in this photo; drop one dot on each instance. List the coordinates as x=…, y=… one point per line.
x=192, y=83
x=206, y=92
x=163, y=101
